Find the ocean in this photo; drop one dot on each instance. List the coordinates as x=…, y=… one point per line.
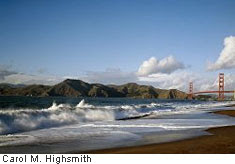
x=67, y=125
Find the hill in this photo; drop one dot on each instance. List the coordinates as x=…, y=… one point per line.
x=78, y=88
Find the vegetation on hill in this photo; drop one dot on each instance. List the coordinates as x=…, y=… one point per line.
x=78, y=88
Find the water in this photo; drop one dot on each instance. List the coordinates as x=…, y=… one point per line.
x=61, y=125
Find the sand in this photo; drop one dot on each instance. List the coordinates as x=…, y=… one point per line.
x=226, y=112
x=222, y=141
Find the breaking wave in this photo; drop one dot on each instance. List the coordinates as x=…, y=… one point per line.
x=13, y=121
x=20, y=120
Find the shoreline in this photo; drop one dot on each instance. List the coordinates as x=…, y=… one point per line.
x=221, y=141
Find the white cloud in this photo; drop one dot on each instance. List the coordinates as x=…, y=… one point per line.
x=226, y=59
x=110, y=76
x=5, y=71
x=212, y=83
x=180, y=80
x=176, y=80
x=14, y=77
x=166, y=65
x=20, y=78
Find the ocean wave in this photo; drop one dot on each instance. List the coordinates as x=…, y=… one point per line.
x=20, y=120
x=13, y=121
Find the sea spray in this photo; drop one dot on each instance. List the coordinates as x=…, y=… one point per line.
x=82, y=104
x=21, y=120
x=13, y=121
x=66, y=126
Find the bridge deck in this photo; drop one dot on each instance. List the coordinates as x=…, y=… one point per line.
x=213, y=92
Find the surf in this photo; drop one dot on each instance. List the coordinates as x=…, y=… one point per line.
x=16, y=120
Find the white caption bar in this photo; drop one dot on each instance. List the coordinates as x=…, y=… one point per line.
x=114, y=159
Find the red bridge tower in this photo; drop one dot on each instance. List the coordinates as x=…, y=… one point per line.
x=190, y=95
x=221, y=86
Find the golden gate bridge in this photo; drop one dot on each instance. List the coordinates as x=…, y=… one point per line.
x=220, y=90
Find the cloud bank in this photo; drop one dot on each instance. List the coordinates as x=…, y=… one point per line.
x=166, y=65
x=4, y=71
x=20, y=78
x=226, y=59
x=110, y=76
x=180, y=80
x=176, y=80
x=14, y=77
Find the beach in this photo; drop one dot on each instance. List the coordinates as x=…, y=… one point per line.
x=221, y=141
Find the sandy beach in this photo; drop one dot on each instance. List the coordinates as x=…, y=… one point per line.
x=221, y=141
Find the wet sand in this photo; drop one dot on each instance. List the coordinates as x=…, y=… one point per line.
x=222, y=141
x=226, y=112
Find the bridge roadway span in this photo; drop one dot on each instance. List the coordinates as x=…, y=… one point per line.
x=201, y=92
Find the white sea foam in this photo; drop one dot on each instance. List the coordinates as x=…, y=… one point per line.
x=110, y=132
x=56, y=115
x=53, y=107
x=128, y=107
x=60, y=106
x=83, y=104
x=20, y=120
x=85, y=126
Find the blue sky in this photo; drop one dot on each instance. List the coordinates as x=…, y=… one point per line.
x=69, y=38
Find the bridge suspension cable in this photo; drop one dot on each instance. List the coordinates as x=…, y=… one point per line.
x=220, y=90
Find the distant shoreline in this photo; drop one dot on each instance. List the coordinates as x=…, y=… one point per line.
x=222, y=141
x=79, y=88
